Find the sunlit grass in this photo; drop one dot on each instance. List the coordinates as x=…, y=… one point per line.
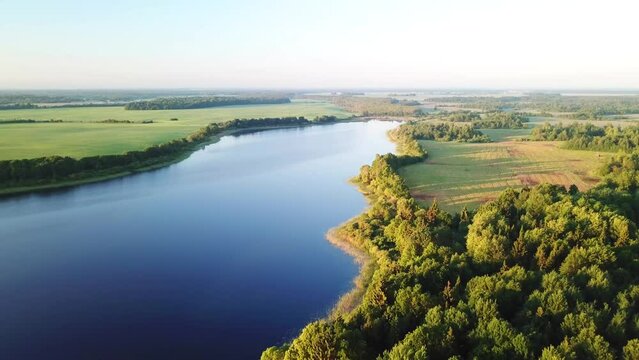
x=81, y=135
x=460, y=174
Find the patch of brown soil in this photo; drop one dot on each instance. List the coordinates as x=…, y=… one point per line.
x=527, y=180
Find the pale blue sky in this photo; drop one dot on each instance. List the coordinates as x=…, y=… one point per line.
x=328, y=43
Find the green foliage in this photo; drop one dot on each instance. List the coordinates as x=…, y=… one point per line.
x=501, y=120
x=201, y=102
x=440, y=132
x=537, y=273
x=455, y=116
x=323, y=340
x=631, y=350
x=590, y=137
x=371, y=106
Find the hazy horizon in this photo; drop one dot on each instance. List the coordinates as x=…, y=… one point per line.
x=319, y=45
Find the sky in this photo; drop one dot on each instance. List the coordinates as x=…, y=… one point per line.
x=564, y=44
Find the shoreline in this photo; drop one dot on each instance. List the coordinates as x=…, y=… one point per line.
x=366, y=261
x=366, y=264
x=123, y=172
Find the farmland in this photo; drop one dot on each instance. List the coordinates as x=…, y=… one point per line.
x=83, y=132
x=462, y=174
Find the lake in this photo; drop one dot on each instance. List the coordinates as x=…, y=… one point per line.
x=218, y=256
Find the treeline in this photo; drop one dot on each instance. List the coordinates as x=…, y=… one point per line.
x=455, y=116
x=405, y=102
x=115, y=121
x=488, y=120
x=50, y=169
x=370, y=106
x=577, y=107
x=18, y=106
x=21, y=106
x=28, y=121
x=539, y=273
x=201, y=102
x=590, y=137
x=501, y=120
x=105, y=96
x=441, y=132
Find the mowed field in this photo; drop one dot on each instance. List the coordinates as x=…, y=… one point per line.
x=81, y=134
x=461, y=174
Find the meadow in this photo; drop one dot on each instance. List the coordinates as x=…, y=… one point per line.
x=463, y=174
x=82, y=132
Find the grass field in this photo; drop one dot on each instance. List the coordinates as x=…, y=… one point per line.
x=461, y=174
x=81, y=135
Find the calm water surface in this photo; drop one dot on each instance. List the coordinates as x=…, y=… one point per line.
x=218, y=256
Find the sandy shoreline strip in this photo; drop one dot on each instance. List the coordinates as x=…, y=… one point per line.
x=353, y=297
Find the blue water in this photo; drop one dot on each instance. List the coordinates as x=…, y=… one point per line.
x=218, y=256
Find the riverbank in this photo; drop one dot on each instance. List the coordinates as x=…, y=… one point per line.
x=172, y=250
x=367, y=265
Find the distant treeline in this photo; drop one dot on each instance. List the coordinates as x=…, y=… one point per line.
x=28, y=121
x=590, y=137
x=489, y=120
x=112, y=96
x=60, y=168
x=441, y=132
x=202, y=102
x=456, y=116
x=501, y=120
x=370, y=106
x=405, y=102
x=114, y=121
x=21, y=106
x=578, y=107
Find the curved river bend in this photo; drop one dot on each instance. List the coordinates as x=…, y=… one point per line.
x=218, y=256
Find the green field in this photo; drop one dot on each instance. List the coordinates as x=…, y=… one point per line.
x=81, y=135
x=462, y=174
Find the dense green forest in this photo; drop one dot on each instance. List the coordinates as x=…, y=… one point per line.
x=441, y=132
x=501, y=120
x=51, y=169
x=590, y=137
x=487, y=120
x=541, y=272
x=202, y=102
x=455, y=116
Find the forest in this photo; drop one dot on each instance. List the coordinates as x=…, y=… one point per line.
x=52, y=169
x=441, y=132
x=370, y=106
x=590, y=137
x=488, y=120
x=543, y=272
x=201, y=102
